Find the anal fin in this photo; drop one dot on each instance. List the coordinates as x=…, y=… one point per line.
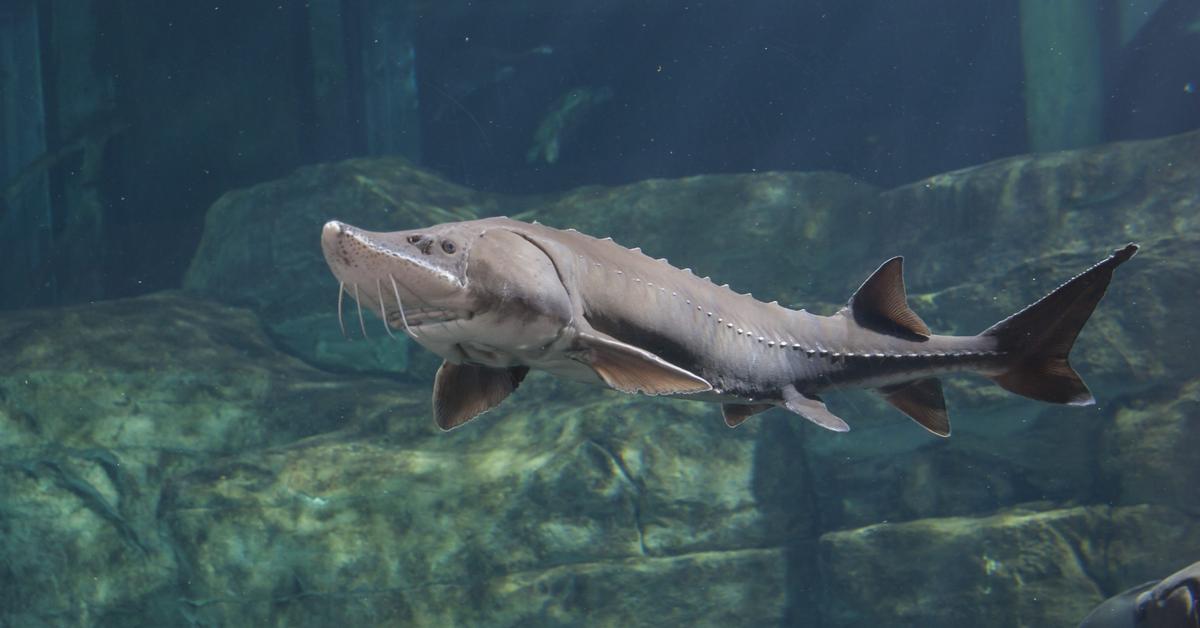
x=629, y=369
x=812, y=408
x=736, y=413
x=922, y=400
x=462, y=392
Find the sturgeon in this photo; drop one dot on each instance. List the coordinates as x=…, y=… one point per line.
x=496, y=297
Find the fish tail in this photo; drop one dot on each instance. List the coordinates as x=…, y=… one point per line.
x=1040, y=336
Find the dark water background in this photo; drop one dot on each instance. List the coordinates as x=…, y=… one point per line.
x=221, y=456
x=188, y=100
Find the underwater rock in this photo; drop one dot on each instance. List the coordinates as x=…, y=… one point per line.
x=545, y=512
x=165, y=371
x=802, y=226
x=99, y=404
x=1001, y=224
x=1015, y=568
x=570, y=495
x=975, y=240
x=1145, y=540
x=261, y=249
x=1008, y=232
x=1006, y=450
x=78, y=535
x=276, y=225
x=169, y=465
x=1149, y=451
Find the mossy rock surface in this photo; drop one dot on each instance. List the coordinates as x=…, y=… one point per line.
x=177, y=459
x=1020, y=568
x=171, y=466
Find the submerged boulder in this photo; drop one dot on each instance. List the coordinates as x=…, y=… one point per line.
x=985, y=241
x=512, y=528
x=165, y=371
x=261, y=246
x=164, y=461
x=170, y=466
x=980, y=243
x=1014, y=568
x=99, y=405
x=1149, y=451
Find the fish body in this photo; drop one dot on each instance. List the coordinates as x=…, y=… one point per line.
x=497, y=297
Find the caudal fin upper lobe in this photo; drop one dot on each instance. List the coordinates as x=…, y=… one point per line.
x=1041, y=335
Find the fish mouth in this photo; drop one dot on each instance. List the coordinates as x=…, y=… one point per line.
x=397, y=314
x=416, y=317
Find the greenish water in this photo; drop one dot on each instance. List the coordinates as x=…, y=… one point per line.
x=187, y=437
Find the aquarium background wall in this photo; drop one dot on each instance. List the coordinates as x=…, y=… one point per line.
x=186, y=438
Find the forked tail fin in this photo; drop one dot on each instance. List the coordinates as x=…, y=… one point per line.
x=1041, y=335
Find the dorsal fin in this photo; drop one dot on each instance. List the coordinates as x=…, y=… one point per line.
x=881, y=303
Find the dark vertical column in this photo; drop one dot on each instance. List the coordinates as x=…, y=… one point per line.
x=85, y=112
x=334, y=133
x=25, y=210
x=389, y=75
x=1064, y=74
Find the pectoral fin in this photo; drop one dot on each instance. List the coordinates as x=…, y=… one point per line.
x=632, y=370
x=812, y=408
x=736, y=413
x=462, y=392
x=923, y=401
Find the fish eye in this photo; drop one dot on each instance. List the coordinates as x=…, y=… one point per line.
x=448, y=247
x=413, y=239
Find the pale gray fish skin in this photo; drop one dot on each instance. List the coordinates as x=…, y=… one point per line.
x=1173, y=602
x=498, y=293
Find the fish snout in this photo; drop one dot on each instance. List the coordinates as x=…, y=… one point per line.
x=331, y=233
x=333, y=228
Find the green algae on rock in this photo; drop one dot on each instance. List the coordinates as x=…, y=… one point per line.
x=99, y=405
x=549, y=508
x=160, y=458
x=259, y=249
x=1014, y=568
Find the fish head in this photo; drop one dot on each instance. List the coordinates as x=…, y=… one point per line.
x=474, y=291
x=428, y=266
